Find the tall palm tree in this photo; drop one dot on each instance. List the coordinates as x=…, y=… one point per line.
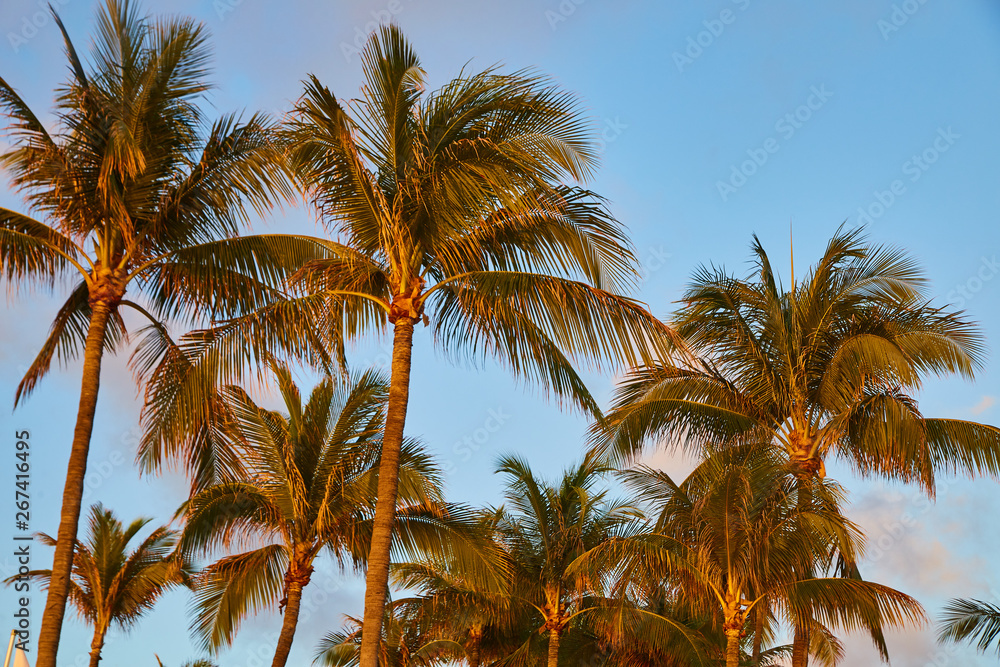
x=112, y=586
x=971, y=621
x=133, y=191
x=734, y=536
x=449, y=208
x=296, y=484
x=825, y=369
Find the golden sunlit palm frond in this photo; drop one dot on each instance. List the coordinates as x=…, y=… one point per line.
x=233, y=587
x=306, y=482
x=825, y=368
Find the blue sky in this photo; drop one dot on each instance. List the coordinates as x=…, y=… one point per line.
x=720, y=119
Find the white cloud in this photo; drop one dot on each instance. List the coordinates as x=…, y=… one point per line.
x=676, y=463
x=984, y=404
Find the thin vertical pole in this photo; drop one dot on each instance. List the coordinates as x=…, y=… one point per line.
x=10, y=647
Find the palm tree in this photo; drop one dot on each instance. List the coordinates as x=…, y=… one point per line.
x=134, y=192
x=461, y=607
x=406, y=641
x=296, y=484
x=548, y=611
x=971, y=621
x=826, y=369
x=734, y=536
x=448, y=208
x=112, y=586
x=495, y=628
x=543, y=531
x=547, y=528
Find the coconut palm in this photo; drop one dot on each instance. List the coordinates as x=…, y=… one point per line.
x=296, y=484
x=733, y=536
x=449, y=208
x=541, y=532
x=459, y=606
x=496, y=628
x=825, y=369
x=544, y=529
x=111, y=586
x=132, y=191
x=407, y=641
x=971, y=621
x=456, y=607
x=547, y=612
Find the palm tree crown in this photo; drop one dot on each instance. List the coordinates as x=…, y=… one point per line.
x=827, y=368
x=543, y=529
x=448, y=207
x=112, y=586
x=408, y=640
x=134, y=192
x=735, y=540
x=296, y=484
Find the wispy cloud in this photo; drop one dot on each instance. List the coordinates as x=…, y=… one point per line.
x=984, y=404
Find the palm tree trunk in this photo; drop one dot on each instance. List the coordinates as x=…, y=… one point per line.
x=800, y=648
x=553, y=648
x=475, y=640
x=288, y=625
x=800, y=645
x=62, y=562
x=758, y=633
x=96, y=647
x=732, y=648
x=377, y=579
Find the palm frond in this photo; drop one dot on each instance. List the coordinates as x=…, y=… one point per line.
x=971, y=621
x=232, y=588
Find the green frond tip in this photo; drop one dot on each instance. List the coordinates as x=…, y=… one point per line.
x=973, y=622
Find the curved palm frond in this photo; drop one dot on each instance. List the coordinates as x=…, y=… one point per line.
x=971, y=621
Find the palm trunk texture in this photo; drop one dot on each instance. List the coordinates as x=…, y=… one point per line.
x=62, y=563
x=377, y=579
